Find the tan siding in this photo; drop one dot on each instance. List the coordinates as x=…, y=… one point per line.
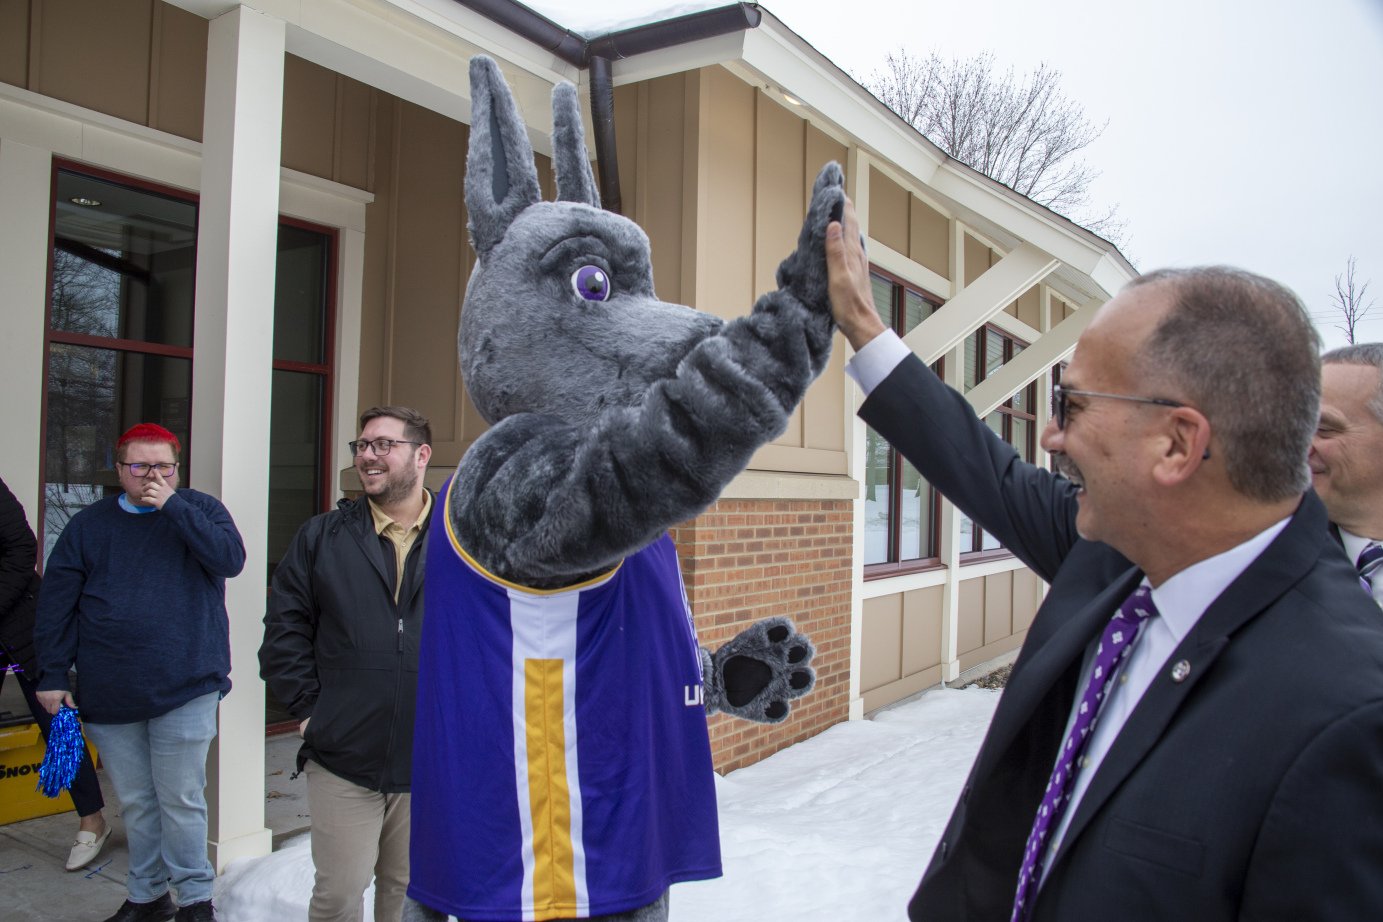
x=309, y=116
x=725, y=258
x=1030, y=307
x=1027, y=595
x=178, y=72
x=970, y=629
x=976, y=259
x=94, y=55
x=998, y=606
x=880, y=653
x=888, y=212
x=14, y=42
x=355, y=113
x=922, y=611
x=988, y=652
x=663, y=142
x=929, y=241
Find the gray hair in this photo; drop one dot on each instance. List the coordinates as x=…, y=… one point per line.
x=1370, y=354
x=1241, y=349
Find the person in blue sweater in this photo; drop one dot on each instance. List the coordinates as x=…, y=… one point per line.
x=134, y=596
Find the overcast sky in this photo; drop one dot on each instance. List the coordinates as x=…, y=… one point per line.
x=1247, y=132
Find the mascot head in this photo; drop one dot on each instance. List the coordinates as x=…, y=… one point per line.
x=560, y=316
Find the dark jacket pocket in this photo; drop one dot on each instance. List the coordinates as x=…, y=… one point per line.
x=1168, y=849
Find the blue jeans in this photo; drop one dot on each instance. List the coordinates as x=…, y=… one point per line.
x=158, y=768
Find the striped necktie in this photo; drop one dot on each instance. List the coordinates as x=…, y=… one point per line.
x=1115, y=644
x=1370, y=559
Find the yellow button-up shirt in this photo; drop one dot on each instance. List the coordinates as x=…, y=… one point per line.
x=401, y=538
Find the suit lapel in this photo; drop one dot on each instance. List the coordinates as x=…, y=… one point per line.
x=1041, y=667
x=1285, y=561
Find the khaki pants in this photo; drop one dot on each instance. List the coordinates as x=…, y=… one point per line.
x=356, y=834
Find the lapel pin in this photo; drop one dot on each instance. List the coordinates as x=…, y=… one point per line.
x=1181, y=670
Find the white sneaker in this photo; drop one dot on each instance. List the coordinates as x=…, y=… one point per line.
x=87, y=847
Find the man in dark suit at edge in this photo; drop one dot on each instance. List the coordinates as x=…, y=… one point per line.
x=1235, y=667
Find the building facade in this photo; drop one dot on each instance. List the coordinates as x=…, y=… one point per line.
x=247, y=223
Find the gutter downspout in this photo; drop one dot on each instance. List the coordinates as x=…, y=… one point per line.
x=597, y=55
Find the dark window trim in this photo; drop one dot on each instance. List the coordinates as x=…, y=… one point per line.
x=896, y=567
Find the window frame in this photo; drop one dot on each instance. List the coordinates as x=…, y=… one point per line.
x=894, y=566
x=976, y=553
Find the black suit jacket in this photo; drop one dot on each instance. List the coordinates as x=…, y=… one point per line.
x=1251, y=789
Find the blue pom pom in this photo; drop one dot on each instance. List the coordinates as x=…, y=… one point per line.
x=63, y=756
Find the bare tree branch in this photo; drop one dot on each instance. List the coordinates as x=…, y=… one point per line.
x=1348, y=300
x=1022, y=131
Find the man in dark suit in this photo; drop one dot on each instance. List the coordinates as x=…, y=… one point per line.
x=1234, y=766
x=1347, y=455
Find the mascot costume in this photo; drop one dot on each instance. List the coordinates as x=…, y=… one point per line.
x=562, y=768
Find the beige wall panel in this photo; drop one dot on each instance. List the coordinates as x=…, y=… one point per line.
x=76, y=40
x=429, y=266
x=824, y=409
x=1030, y=307
x=179, y=72
x=355, y=104
x=1027, y=596
x=922, y=611
x=888, y=211
x=929, y=237
x=976, y=259
x=880, y=653
x=885, y=695
x=989, y=651
x=309, y=116
x=998, y=606
x=659, y=185
x=14, y=42
x=779, y=180
x=780, y=187
x=631, y=112
x=377, y=273
x=725, y=261
x=970, y=614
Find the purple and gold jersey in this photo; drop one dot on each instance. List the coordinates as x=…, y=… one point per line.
x=561, y=764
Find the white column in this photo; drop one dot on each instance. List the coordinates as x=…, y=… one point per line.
x=25, y=180
x=237, y=235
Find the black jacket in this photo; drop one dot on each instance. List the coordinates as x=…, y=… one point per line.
x=18, y=584
x=339, y=649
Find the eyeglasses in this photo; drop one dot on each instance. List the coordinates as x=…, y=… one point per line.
x=142, y=468
x=1060, y=396
x=382, y=447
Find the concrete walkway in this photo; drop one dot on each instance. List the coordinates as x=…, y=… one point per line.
x=37, y=888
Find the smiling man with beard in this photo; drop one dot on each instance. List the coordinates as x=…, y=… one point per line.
x=1194, y=726
x=341, y=652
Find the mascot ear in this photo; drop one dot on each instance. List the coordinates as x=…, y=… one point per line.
x=501, y=180
x=575, y=181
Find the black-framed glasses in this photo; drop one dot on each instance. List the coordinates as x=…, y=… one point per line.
x=142, y=468
x=1061, y=395
x=382, y=447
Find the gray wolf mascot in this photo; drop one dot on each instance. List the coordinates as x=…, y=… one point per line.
x=561, y=765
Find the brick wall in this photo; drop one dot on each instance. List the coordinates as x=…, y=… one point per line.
x=743, y=560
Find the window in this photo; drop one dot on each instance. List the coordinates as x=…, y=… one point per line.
x=1015, y=420
x=120, y=320
x=900, y=508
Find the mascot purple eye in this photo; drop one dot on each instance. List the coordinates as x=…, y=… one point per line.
x=591, y=283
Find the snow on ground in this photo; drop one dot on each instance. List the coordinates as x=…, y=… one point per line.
x=837, y=827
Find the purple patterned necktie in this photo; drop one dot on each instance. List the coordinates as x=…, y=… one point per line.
x=1367, y=565
x=1115, y=645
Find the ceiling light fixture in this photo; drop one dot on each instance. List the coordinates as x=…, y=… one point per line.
x=84, y=202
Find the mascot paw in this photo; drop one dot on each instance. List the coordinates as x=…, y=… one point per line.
x=759, y=672
x=803, y=274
